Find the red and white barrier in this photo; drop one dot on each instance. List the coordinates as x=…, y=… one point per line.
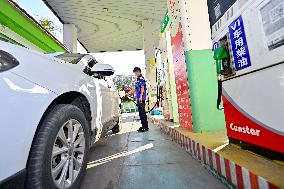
x=235, y=174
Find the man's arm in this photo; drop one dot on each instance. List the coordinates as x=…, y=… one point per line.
x=141, y=93
x=132, y=91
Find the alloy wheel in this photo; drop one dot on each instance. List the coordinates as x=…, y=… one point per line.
x=68, y=154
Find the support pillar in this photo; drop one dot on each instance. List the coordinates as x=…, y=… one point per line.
x=167, y=106
x=172, y=82
x=70, y=37
x=149, y=51
x=195, y=24
x=164, y=82
x=200, y=66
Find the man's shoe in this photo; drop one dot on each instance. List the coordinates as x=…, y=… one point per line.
x=141, y=129
x=146, y=129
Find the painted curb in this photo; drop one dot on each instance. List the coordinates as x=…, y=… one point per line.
x=236, y=175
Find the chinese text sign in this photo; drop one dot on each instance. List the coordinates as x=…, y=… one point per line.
x=239, y=44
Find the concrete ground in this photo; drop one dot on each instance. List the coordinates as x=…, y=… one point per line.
x=132, y=160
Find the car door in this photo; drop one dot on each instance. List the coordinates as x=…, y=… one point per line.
x=115, y=101
x=106, y=103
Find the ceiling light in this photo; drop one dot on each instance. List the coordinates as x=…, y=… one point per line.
x=105, y=9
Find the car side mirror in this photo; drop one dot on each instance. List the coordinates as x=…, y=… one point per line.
x=101, y=70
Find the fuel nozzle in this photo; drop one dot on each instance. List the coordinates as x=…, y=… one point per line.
x=221, y=55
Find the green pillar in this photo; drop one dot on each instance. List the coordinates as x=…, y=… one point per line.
x=202, y=79
x=201, y=70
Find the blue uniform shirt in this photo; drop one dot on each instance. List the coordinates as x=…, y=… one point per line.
x=140, y=81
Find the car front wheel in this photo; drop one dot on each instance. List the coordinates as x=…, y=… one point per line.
x=117, y=128
x=58, y=154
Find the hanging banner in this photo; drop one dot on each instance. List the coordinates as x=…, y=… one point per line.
x=182, y=88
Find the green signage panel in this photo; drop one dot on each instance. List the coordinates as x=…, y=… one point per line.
x=165, y=22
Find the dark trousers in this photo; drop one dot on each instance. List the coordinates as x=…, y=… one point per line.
x=142, y=113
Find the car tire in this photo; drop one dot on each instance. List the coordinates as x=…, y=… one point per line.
x=43, y=164
x=117, y=127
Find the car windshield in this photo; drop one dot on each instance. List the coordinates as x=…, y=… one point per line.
x=70, y=57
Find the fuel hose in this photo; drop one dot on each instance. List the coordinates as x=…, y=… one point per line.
x=219, y=98
x=159, y=98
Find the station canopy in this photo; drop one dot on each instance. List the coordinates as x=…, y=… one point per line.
x=110, y=25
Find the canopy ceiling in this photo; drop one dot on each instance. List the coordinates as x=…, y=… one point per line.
x=110, y=25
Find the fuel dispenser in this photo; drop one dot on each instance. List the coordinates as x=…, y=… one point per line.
x=224, y=66
x=248, y=38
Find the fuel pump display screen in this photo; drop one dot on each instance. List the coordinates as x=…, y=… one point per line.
x=217, y=9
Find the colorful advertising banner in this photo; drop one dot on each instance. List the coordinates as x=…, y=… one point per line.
x=182, y=88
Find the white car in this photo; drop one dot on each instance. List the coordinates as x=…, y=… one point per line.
x=51, y=112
